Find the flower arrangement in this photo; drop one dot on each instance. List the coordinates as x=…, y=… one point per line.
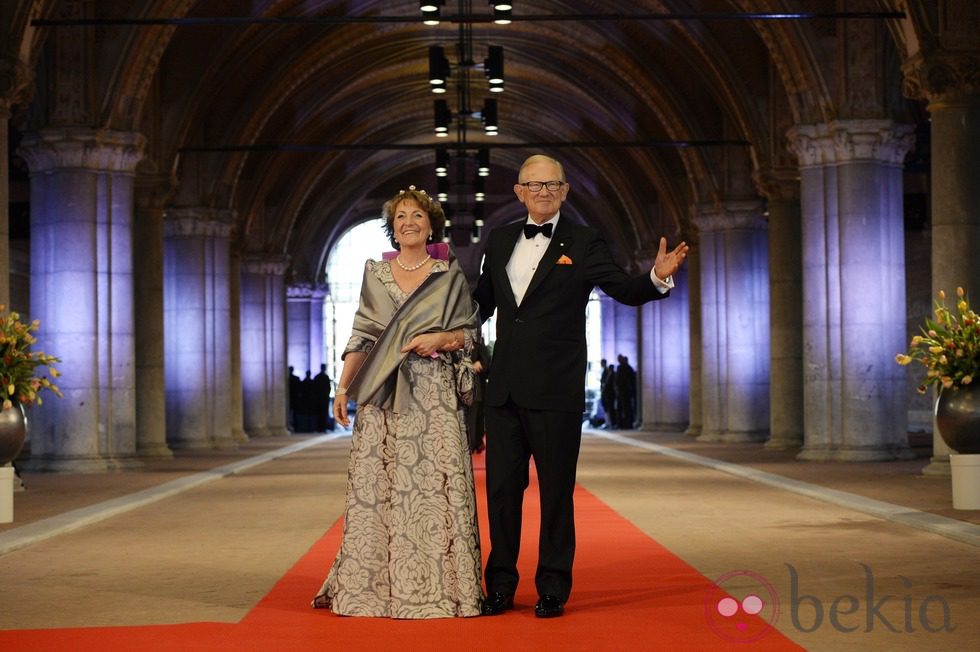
x=949, y=345
x=19, y=381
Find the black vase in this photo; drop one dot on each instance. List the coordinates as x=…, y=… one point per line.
x=13, y=432
x=958, y=418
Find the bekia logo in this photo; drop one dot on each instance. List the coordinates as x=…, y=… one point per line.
x=743, y=606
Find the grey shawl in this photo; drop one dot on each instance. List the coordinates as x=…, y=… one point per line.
x=441, y=303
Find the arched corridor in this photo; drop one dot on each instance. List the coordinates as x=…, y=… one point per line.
x=176, y=174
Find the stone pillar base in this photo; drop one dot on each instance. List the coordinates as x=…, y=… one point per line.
x=653, y=426
x=744, y=437
x=80, y=464
x=783, y=443
x=239, y=435
x=157, y=451
x=938, y=466
x=6, y=494
x=812, y=454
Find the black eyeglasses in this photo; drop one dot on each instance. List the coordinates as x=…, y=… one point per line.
x=536, y=186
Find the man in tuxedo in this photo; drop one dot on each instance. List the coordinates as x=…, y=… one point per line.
x=538, y=274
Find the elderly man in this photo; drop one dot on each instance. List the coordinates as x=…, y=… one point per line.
x=538, y=275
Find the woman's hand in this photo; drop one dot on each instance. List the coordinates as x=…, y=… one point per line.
x=340, y=410
x=427, y=344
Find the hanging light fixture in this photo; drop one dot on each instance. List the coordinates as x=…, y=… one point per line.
x=442, y=163
x=479, y=189
x=493, y=67
x=489, y=117
x=483, y=162
x=442, y=118
x=442, y=189
x=478, y=215
x=502, y=16
x=430, y=11
x=438, y=69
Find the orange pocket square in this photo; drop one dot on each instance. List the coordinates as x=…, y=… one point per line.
x=564, y=260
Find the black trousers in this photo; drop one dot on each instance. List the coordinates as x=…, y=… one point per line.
x=514, y=436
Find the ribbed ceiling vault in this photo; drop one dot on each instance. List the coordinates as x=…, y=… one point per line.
x=194, y=87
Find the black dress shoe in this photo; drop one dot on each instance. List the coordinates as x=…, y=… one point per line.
x=549, y=607
x=497, y=603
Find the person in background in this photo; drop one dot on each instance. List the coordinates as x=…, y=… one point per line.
x=607, y=393
x=625, y=394
x=321, y=398
x=410, y=546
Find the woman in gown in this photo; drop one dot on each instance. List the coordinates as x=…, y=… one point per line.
x=410, y=547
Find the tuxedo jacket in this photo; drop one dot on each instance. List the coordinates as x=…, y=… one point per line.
x=539, y=356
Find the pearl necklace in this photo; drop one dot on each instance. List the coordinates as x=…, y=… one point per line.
x=411, y=268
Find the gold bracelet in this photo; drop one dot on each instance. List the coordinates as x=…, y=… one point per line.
x=341, y=391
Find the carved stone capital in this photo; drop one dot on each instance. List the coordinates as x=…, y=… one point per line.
x=943, y=78
x=269, y=265
x=99, y=150
x=730, y=215
x=848, y=141
x=306, y=292
x=198, y=222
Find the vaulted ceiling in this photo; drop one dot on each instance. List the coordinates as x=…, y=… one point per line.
x=218, y=101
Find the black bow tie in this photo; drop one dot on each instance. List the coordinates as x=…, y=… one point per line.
x=531, y=230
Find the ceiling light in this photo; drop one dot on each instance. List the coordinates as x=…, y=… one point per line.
x=493, y=65
x=442, y=163
x=483, y=162
x=442, y=117
x=438, y=69
x=489, y=116
x=501, y=16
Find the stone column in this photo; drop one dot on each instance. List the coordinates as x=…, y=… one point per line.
x=197, y=318
x=734, y=322
x=854, y=286
x=235, y=340
x=947, y=79
x=82, y=292
x=782, y=190
x=304, y=334
x=665, y=361
x=263, y=313
x=151, y=406
x=4, y=205
x=695, y=395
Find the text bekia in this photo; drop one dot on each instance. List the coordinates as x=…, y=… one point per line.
x=847, y=613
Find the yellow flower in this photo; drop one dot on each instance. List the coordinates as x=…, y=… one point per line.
x=903, y=359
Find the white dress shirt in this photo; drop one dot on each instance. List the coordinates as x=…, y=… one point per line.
x=527, y=256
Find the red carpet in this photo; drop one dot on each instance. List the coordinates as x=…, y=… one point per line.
x=630, y=593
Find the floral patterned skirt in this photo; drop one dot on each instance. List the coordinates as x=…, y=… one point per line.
x=411, y=544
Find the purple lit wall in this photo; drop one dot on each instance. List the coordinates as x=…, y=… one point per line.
x=196, y=328
x=304, y=327
x=853, y=288
x=263, y=313
x=665, y=360
x=734, y=273
x=82, y=292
